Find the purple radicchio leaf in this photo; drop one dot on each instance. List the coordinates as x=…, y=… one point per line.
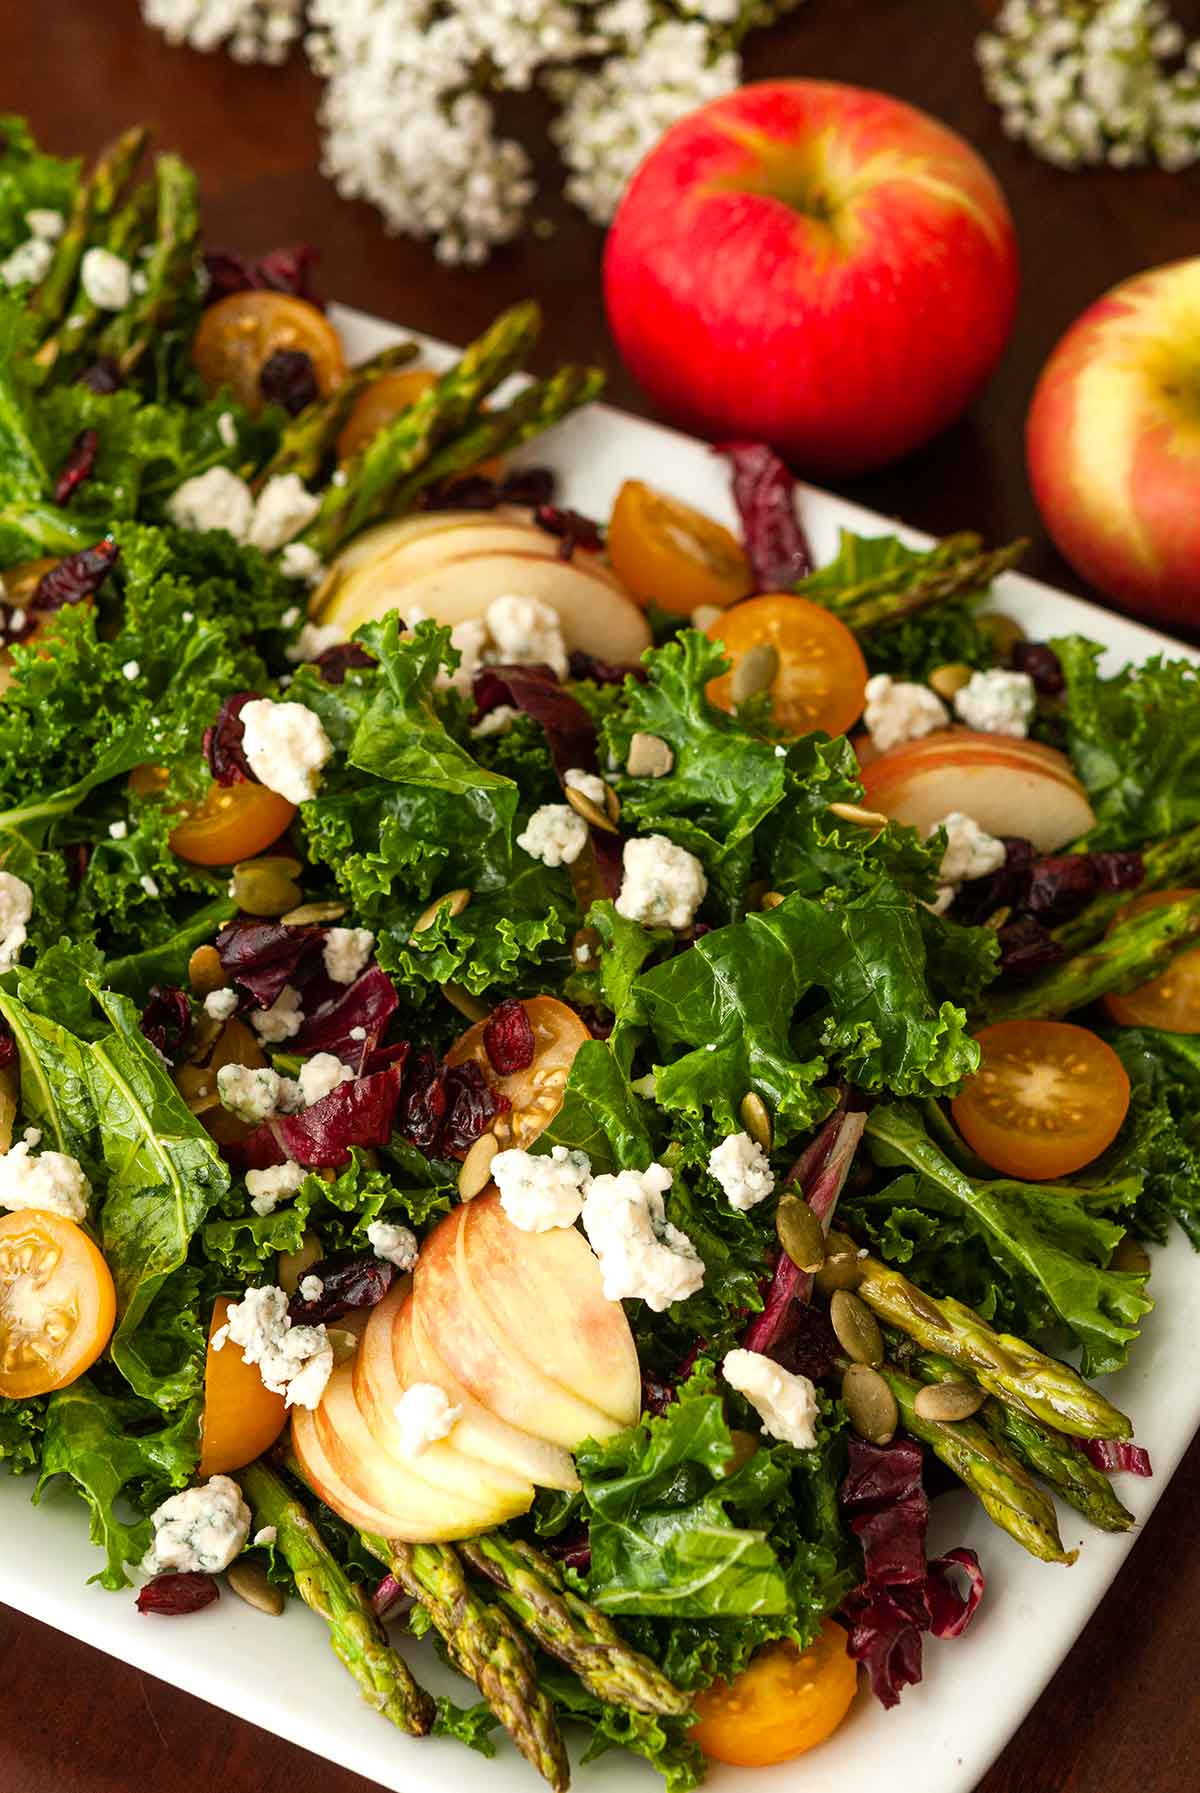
x=286, y=270
x=77, y=468
x=224, y=748
x=570, y=731
x=764, y=492
x=359, y=1113
x=263, y=956
x=351, y=1025
x=1113, y=1455
x=343, y=657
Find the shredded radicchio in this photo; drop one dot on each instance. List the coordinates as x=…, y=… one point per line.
x=77, y=468
x=341, y=658
x=279, y=271
x=167, y=1019
x=765, y=494
x=603, y=672
x=508, y=1038
x=347, y=1284
x=359, y=1113
x=444, y=1108
x=572, y=528
x=570, y=731
x=902, y=1596
x=390, y=1602
x=8, y=1045
x=1113, y=1455
x=532, y=486
x=223, y=742
x=351, y=1024
x=77, y=577
x=173, y=1595
x=658, y=1392
x=288, y=378
x=263, y=956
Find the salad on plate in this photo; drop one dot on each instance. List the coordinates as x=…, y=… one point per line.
x=559, y=1076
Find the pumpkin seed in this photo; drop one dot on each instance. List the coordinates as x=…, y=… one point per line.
x=1131, y=1254
x=612, y=804
x=1002, y=632
x=344, y=1342
x=466, y=1004
x=771, y=899
x=290, y=1266
x=800, y=1233
x=754, y=672
x=205, y=971
x=649, y=756
x=745, y=1445
x=853, y=812
x=950, y=679
x=842, y=1268
x=949, y=1401
x=311, y=915
x=756, y=1119
x=592, y=813
x=998, y=917
x=475, y=1171
x=870, y=1404
x=248, y=1580
x=856, y=1328
x=451, y=904
x=266, y=886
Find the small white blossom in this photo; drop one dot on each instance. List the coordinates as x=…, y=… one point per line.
x=252, y=30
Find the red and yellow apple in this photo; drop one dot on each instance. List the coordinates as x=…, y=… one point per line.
x=1010, y=786
x=1113, y=444
x=816, y=266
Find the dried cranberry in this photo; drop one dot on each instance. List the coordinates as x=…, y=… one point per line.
x=390, y=1602
x=657, y=1395
x=1060, y=886
x=223, y=743
x=572, y=528
x=1042, y=665
x=1026, y=947
x=337, y=661
x=279, y=271
x=103, y=376
x=288, y=378
x=347, y=1284
x=508, y=1038
x=167, y=1019
x=77, y=577
x=422, y=1101
x=1006, y=888
x=603, y=672
x=574, y=1551
x=765, y=494
x=530, y=486
x=173, y=1595
x=1118, y=871
x=471, y=1107
x=77, y=468
x=810, y=1347
x=8, y=1045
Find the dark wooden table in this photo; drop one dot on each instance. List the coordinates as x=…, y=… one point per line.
x=1121, y=1716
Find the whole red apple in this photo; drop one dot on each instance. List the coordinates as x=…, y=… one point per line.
x=813, y=265
x=1113, y=444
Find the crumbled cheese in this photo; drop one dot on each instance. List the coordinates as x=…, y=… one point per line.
x=704, y=616
x=358, y=1033
x=346, y=952
x=264, y=1536
x=293, y=1361
x=148, y=884
x=199, y=1531
x=118, y=830
x=786, y=1403
x=291, y=616
x=286, y=746
x=131, y=670
x=997, y=702
x=496, y=722
x=267, y=1188
x=423, y=1415
x=227, y=429
x=249, y=1092
x=394, y=1244
x=526, y=632
x=970, y=851
x=221, y=1004
x=52, y=1180
x=285, y=506
x=311, y=1288
x=642, y=1256
x=588, y=784
x=106, y=279
x=740, y=1166
x=29, y=262
x=299, y=561
x=16, y=907
x=946, y=894
x=554, y=834
x=320, y=1075
x=42, y=221
x=313, y=640
x=282, y=1021
x=663, y=885
x=540, y=1193
x=898, y=711
x=32, y=1137
x=217, y=499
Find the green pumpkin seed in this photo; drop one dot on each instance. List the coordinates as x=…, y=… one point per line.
x=754, y=672
x=950, y=679
x=206, y=972
x=870, y=1404
x=593, y=814
x=862, y=818
x=842, y=1268
x=649, y=756
x=451, y=904
x=771, y=899
x=800, y=1233
x=313, y=914
x=756, y=1119
x=856, y=1328
x=248, y=1580
x=461, y=999
x=1002, y=632
x=949, y=1401
x=475, y=1171
x=267, y=886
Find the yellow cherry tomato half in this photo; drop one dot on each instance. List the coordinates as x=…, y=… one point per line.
x=378, y=404
x=784, y=1702
x=821, y=677
x=1170, y=1001
x=234, y=822
x=241, y=1418
x=669, y=554
x=535, y=1094
x=57, y=1303
x=238, y=335
x=1048, y=1097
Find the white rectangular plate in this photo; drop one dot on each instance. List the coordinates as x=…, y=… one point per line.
x=976, y=1690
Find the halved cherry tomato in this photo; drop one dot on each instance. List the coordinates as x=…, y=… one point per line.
x=535, y=1094
x=1047, y=1098
x=785, y=1702
x=57, y=1303
x=241, y=1418
x=238, y=335
x=378, y=404
x=1171, y=1000
x=669, y=554
x=148, y=781
x=234, y=822
x=822, y=676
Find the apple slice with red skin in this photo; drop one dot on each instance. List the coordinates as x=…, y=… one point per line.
x=398, y=532
x=547, y=1288
x=1006, y=791
x=503, y=1373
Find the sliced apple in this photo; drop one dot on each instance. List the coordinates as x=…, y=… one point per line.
x=397, y=532
x=349, y=1502
x=502, y=1373
x=1009, y=788
x=546, y=1291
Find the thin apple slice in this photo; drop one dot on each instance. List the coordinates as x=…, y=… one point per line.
x=346, y=1498
x=396, y=532
x=546, y=1290
x=493, y=1367
x=1005, y=795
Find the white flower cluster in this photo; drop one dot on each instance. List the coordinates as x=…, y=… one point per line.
x=406, y=118
x=1095, y=81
